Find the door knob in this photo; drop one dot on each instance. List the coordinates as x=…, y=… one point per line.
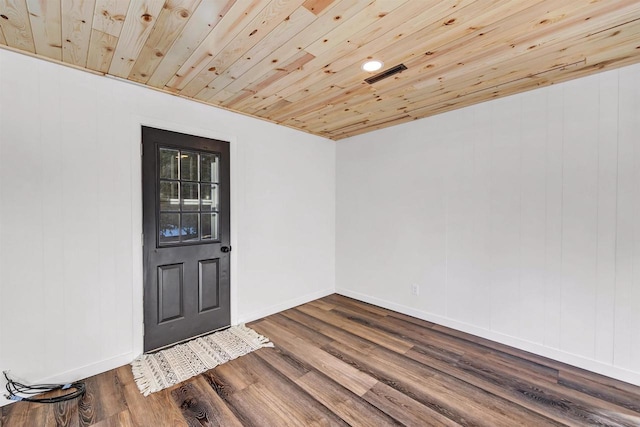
x=225, y=249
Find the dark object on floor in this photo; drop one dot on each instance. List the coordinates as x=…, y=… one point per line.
x=15, y=388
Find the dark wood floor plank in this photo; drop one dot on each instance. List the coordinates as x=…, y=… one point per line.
x=455, y=399
x=362, y=316
x=25, y=414
x=434, y=341
x=123, y=419
x=63, y=414
x=308, y=333
x=419, y=322
x=321, y=303
x=201, y=406
x=451, y=349
x=236, y=375
x=154, y=410
x=339, y=400
x=103, y=398
x=431, y=336
x=620, y=394
x=343, y=301
x=282, y=397
x=503, y=348
x=354, y=380
x=383, y=339
x=262, y=407
x=404, y=409
x=254, y=408
x=339, y=361
x=554, y=400
x=535, y=395
x=610, y=384
x=342, y=402
x=328, y=330
x=284, y=362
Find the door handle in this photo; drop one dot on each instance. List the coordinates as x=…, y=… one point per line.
x=225, y=249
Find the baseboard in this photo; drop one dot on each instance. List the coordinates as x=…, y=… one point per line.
x=284, y=306
x=552, y=353
x=72, y=375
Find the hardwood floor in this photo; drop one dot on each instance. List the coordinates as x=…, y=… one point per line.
x=341, y=362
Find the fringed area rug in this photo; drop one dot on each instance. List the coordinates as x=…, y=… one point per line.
x=157, y=371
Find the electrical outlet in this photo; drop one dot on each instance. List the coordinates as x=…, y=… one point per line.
x=415, y=289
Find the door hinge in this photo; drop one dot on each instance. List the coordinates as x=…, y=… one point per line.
x=142, y=239
x=141, y=149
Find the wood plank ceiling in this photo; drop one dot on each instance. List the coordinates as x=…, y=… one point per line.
x=298, y=62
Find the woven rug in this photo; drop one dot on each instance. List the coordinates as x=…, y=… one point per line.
x=156, y=371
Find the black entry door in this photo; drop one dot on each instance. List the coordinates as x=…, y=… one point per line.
x=186, y=236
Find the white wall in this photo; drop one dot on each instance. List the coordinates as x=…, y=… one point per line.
x=70, y=215
x=518, y=218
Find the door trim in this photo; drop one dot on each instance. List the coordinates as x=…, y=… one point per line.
x=135, y=133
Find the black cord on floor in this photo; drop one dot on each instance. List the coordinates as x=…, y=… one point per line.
x=14, y=388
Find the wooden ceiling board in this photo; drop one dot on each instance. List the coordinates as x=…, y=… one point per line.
x=172, y=20
x=138, y=24
x=14, y=21
x=258, y=29
x=439, y=38
x=109, y=16
x=501, y=71
x=46, y=27
x=108, y=19
x=513, y=67
x=300, y=19
x=77, y=21
x=338, y=76
x=101, y=48
x=231, y=24
x=326, y=21
x=203, y=20
x=297, y=62
x=326, y=47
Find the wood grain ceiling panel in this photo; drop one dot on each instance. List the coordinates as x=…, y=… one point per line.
x=14, y=21
x=297, y=62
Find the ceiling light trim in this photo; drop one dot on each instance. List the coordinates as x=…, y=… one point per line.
x=372, y=65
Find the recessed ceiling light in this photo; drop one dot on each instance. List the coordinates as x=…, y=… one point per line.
x=373, y=65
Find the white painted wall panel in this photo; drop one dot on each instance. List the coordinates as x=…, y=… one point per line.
x=626, y=318
x=606, y=238
x=480, y=211
x=460, y=235
x=579, y=217
x=20, y=210
x=505, y=198
x=526, y=213
x=532, y=217
x=71, y=215
x=554, y=145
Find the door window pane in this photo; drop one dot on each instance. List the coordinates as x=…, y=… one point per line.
x=190, y=199
x=169, y=228
x=169, y=163
x=169, y=196
x=209, y=197
x=190, y=227
x=208, y=168
x=209, y=226
x=189, y=166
